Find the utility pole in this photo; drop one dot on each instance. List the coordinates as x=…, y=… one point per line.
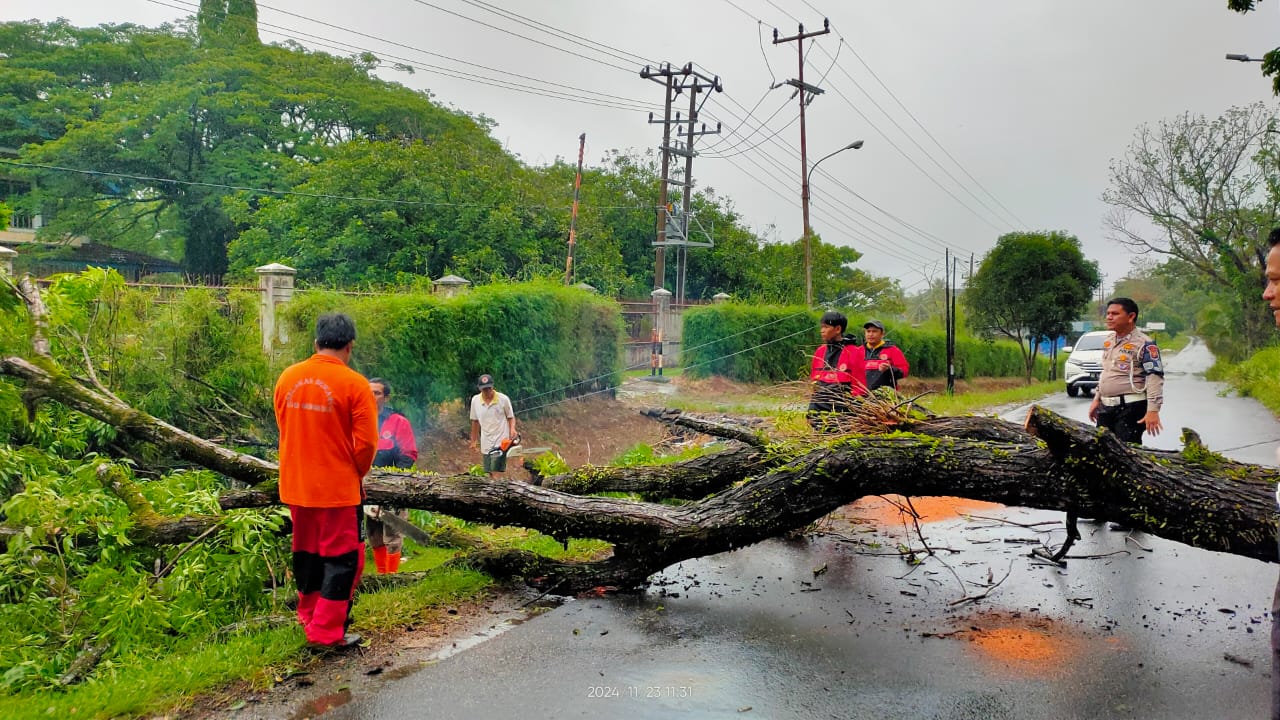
x=949, y=324
x=806, y=94
x=677, y=233
x=665, y=76
x=951, y=341
x=573, y=214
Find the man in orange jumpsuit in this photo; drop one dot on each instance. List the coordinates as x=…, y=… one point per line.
x=328, y=436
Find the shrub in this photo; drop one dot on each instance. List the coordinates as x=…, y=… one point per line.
x=541, y=341
x=770, y=343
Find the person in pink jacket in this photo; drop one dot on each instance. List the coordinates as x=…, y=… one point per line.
x=396, y=448
x=836, y=373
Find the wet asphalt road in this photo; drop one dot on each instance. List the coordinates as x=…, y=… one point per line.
x=1152, y=629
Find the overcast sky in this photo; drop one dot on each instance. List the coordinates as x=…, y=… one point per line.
x=1032, y=98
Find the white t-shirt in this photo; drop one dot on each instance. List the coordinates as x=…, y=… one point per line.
x=493, y=418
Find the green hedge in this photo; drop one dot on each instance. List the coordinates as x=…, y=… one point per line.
x=755, y=343
x=541, y=341
x=749, y=343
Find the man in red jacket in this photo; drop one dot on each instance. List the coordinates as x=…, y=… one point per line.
x=328, y=435
x=836, y=373
x=884, y=363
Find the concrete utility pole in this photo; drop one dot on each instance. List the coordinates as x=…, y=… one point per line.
x=573, y=215
x=806, y=94
x=677, y=233
x=666, y=77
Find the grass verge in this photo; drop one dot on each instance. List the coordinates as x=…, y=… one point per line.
x=1258, y=377
x=137, y=685
x=971, y=402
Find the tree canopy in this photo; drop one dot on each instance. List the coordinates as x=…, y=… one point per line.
x=1204, y=192
x=161, y=128
x=1030, y=287
x=200, y=144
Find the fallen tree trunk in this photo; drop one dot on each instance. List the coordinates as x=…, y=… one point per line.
x=751, y=493
x=1074, y=470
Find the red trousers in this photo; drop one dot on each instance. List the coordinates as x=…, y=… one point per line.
x=328, y=558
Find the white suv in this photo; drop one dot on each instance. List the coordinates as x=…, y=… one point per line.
x=1085, y=363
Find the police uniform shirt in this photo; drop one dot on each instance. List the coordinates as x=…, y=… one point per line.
x=1131, y=365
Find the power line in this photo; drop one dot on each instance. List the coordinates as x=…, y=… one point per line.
x=724, y=138
x=763, y=125
x=523, y=37
x=617, y=53
x=941, y=244
x=866, y=232
x=601, y=99
x=912, y=160
x=791, y=201
x=918, y=123
x=935, y=141
x=886, y=249
x=825, y=173
x=918, y=146
x=784, y=12
x=783, y=168
x=895, y=146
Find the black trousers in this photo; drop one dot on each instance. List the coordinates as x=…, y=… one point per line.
x=1275, y=654
x=1123, y=420
x=829, y=401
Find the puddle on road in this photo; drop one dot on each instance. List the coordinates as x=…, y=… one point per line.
x=323, y=704
x=886, y=511
x=1023, y=645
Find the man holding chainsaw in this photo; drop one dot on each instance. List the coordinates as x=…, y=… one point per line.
x=493, y=426
x=396, y=448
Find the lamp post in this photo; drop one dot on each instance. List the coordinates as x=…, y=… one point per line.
x=808, y=232
x=1239, y=57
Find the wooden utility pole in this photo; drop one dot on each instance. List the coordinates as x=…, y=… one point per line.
x=573, y=214
x=806, y=94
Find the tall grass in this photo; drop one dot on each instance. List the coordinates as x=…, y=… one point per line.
x=1258, y=377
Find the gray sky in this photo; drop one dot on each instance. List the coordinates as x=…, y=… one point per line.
x=1033, y=98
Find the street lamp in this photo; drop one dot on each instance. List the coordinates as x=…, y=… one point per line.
x=1242, y=58
x=808, y=231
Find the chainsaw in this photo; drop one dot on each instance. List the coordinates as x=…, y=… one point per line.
x=511, y=447
x=406, y=528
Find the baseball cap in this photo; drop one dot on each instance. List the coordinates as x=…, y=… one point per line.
x=485, y=381
x=873, y=324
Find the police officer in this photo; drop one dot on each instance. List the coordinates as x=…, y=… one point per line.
x=1131, y=386
x=836, y=372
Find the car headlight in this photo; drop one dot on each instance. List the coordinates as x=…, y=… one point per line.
x=1072, y=367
